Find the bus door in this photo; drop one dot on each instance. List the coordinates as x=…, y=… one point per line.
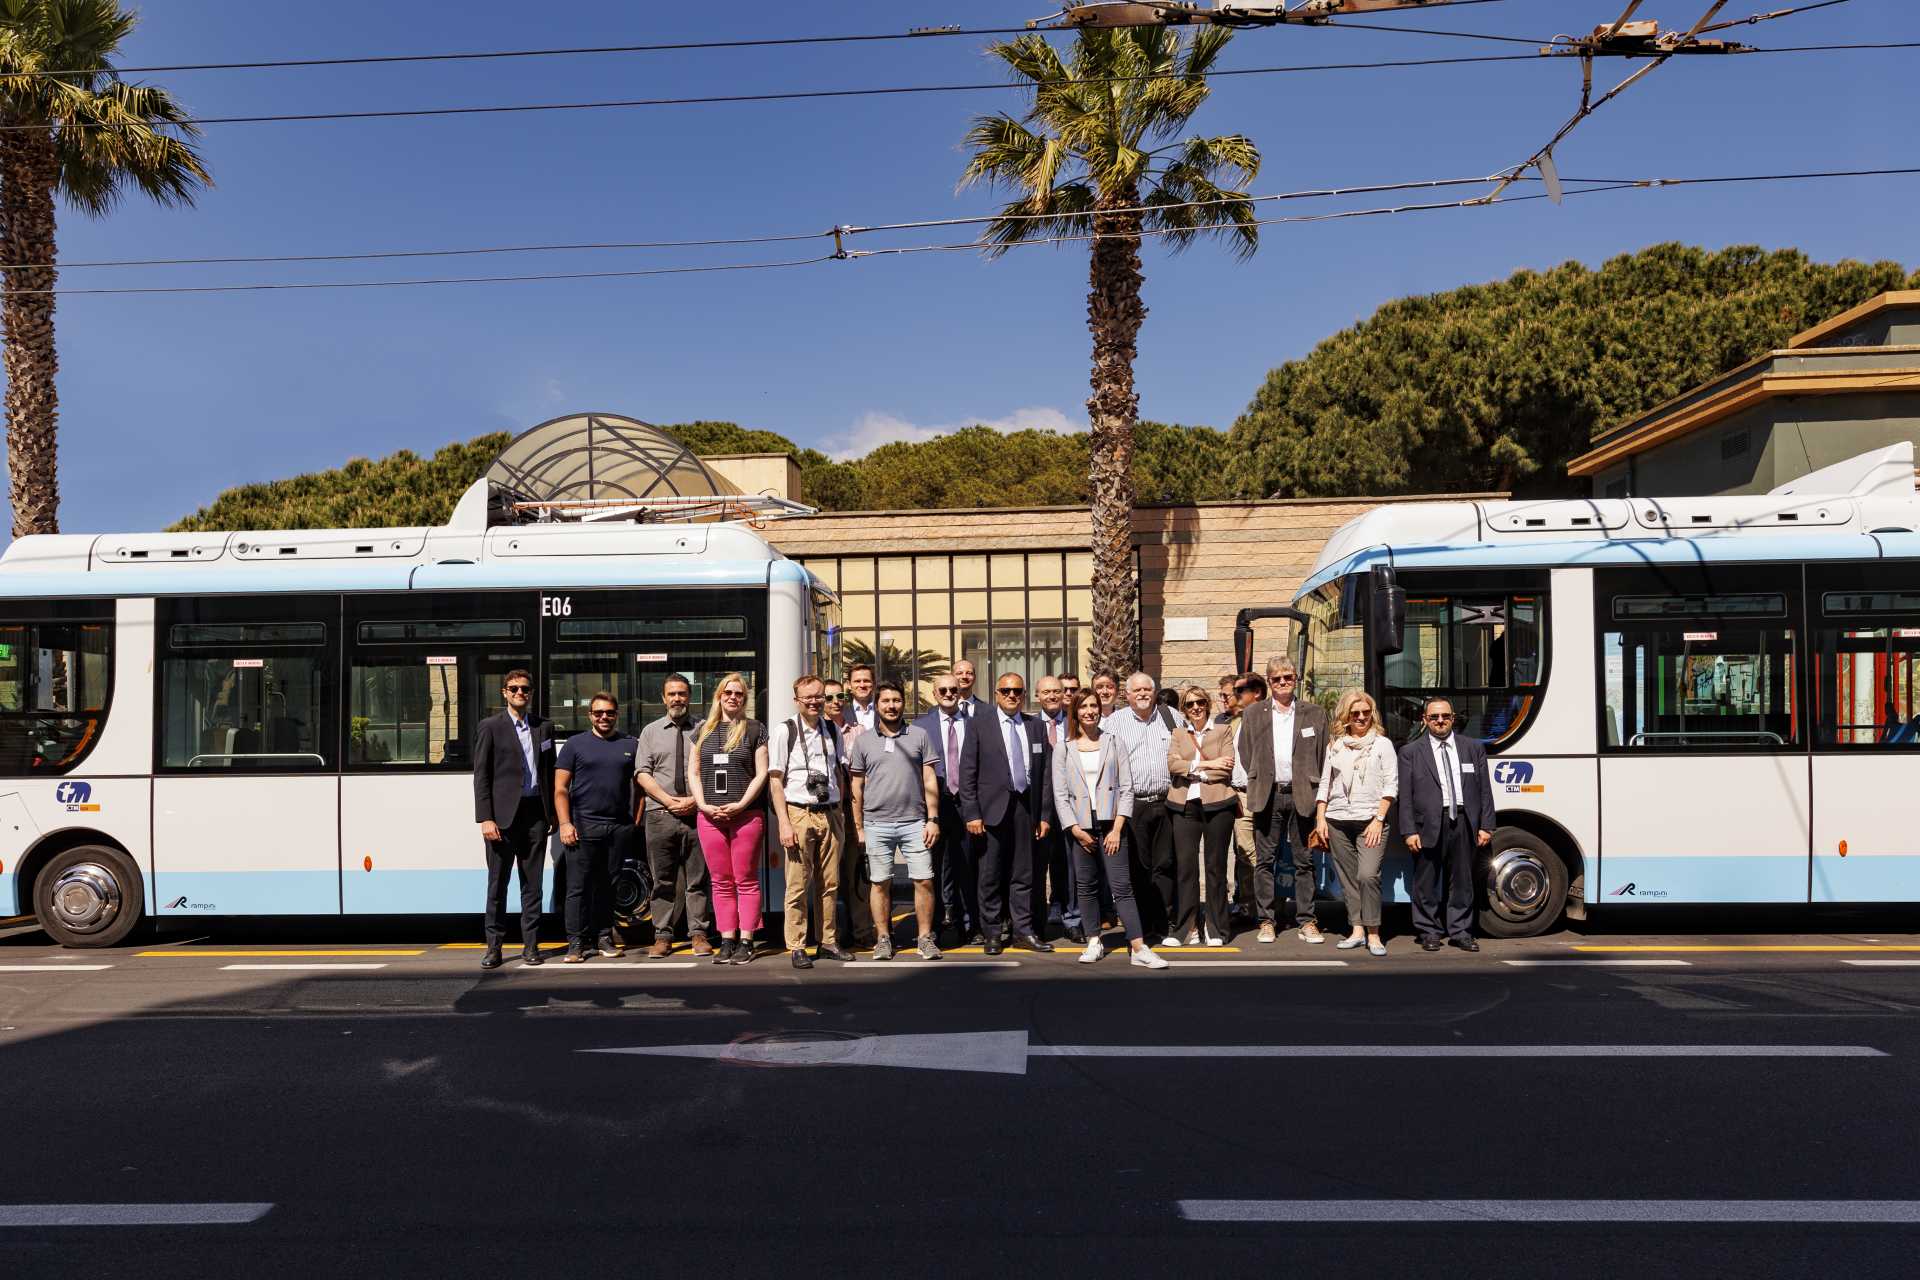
x=1866, y=747
x=1705, y=794
x=246, y=792
x=423, y=669
x=628, y=643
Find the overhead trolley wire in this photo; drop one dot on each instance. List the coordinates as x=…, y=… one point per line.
x=1599, y=185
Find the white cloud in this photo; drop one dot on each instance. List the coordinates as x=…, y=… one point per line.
x=874, y=428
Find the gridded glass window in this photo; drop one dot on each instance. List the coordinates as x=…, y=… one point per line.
x=896, y=573
x=1008, y=570
x=930, y=574
x=55, y=683
x=934, y=608
x=856, y=574
x=1079, y=568
x=969, y=571
x=1044, y=570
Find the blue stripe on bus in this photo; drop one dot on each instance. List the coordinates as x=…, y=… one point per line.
x=1584, y=554
x=462, y=890
x=9, y=905
x=1728, y=879
x=1887, y=877
x=246, y=893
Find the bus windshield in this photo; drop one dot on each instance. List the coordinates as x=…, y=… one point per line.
x=1333, y=655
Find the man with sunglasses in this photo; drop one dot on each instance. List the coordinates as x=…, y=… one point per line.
x=1446, y=815
x=1006, y=792
x=513, y=803
x=956, y=855
x=593, y=796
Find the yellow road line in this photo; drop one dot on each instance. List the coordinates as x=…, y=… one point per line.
x=481, y=946
x=191, y=953
x=1063, y=947
x=1757, y=947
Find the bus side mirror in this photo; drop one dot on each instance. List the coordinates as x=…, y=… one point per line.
x=1389, y=612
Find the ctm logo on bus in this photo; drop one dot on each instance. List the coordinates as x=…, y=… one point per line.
x=75, y=795
x=1516, y=776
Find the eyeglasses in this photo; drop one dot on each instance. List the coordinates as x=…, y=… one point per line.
x=1359, y=713
x=1014, y=690
x=519, y=688
x=1285, y=680
x=597, y=712
x=1440, y=717
x=733, y=693
x=1188, y=706
x=813, y=697
x=947, y=692
x=834, y=697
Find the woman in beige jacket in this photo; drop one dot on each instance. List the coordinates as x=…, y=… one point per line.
x=1202, y=804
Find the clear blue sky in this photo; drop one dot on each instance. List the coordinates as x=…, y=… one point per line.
x=168, y=399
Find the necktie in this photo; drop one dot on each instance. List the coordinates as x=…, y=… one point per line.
x=1016, y=758
x=1446, y=776
x=1053, y=732
x=953, y=755
x=679, y=762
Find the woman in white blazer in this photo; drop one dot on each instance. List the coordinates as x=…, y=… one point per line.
x=1093, y=798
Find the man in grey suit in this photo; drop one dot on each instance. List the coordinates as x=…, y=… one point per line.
x=1284, y=744
x=513, y=802
x=1445, y=817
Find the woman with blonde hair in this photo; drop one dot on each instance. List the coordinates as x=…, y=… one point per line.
x=731, y=750
x=1357, y=787
x=1203, y=805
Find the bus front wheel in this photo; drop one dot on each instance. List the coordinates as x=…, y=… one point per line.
x=91, y=896
x=1523, y=886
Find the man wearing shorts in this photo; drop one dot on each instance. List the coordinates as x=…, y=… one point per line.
x=896, y=797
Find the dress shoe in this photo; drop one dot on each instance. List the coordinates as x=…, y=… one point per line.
x=1076, y=935
x=992, y=947
x=661, y=947
x=531, y=956
x=1463, y=941
x=492, y=959
x=1431, y=944
x=701, y=947
x=1034, y=942
x=801, y=960
x=834, y=951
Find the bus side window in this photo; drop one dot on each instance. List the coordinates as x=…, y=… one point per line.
x=247, y=684
x=1866, y=664
x=55, y=684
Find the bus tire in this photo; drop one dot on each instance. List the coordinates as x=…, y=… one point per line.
x=1523, y=886
x=89, y=896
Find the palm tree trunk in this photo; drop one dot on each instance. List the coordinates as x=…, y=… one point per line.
x=1114, y=315
x=28, y=172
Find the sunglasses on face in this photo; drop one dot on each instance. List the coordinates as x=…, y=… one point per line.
x=1191, y=705
x=597, y=712
x=945, y=693
x=1440, y=717
x=1011, y=690
x=519, y=688
x=733, y=693
x=1284, y=680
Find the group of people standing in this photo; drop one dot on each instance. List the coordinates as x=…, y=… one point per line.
x=1092, y=813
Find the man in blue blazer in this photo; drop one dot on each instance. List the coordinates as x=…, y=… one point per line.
x=1445, y=818
x=513, y=754
x=956, y=858
x=1006, y=796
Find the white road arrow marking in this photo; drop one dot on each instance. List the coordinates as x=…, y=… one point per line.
x=1007, y=1052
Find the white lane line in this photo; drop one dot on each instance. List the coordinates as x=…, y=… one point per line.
x=1256, y=964
x=627, y=970
x=1884, y=964
x=929, y=964
x=1457, y=1051
x=130, y=1215
x=53, y=968
x=303, y=967
x=1807, y=1211
x=1597, y=964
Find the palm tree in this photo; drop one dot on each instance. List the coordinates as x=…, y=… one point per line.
x=68, y=125
x=1099, y=155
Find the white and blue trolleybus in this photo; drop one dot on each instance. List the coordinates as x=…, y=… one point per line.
x=280, y=723
x=1686, y=700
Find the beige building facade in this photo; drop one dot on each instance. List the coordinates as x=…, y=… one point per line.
x=1011, y=589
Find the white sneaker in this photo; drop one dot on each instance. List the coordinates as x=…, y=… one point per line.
x=1215, y=940
x=1193, y=938
x=1170, y=941
x=1095, y=950
x=1146, y=959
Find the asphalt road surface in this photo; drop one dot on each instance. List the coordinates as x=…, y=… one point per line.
x=362, y=1101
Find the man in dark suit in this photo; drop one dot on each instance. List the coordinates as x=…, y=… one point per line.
x=956, y=858
x=1284, y=743
x=513, y=802
x=970, y=704
x=1446, y=814
x=1006, y=795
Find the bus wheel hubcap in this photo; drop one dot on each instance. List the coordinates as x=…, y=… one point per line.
x=86, y=897
x=1518, y=884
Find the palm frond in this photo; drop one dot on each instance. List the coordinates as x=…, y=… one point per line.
x=1065, y=210
x=126, y=136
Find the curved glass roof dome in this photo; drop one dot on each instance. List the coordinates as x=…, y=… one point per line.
x=600, y=457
